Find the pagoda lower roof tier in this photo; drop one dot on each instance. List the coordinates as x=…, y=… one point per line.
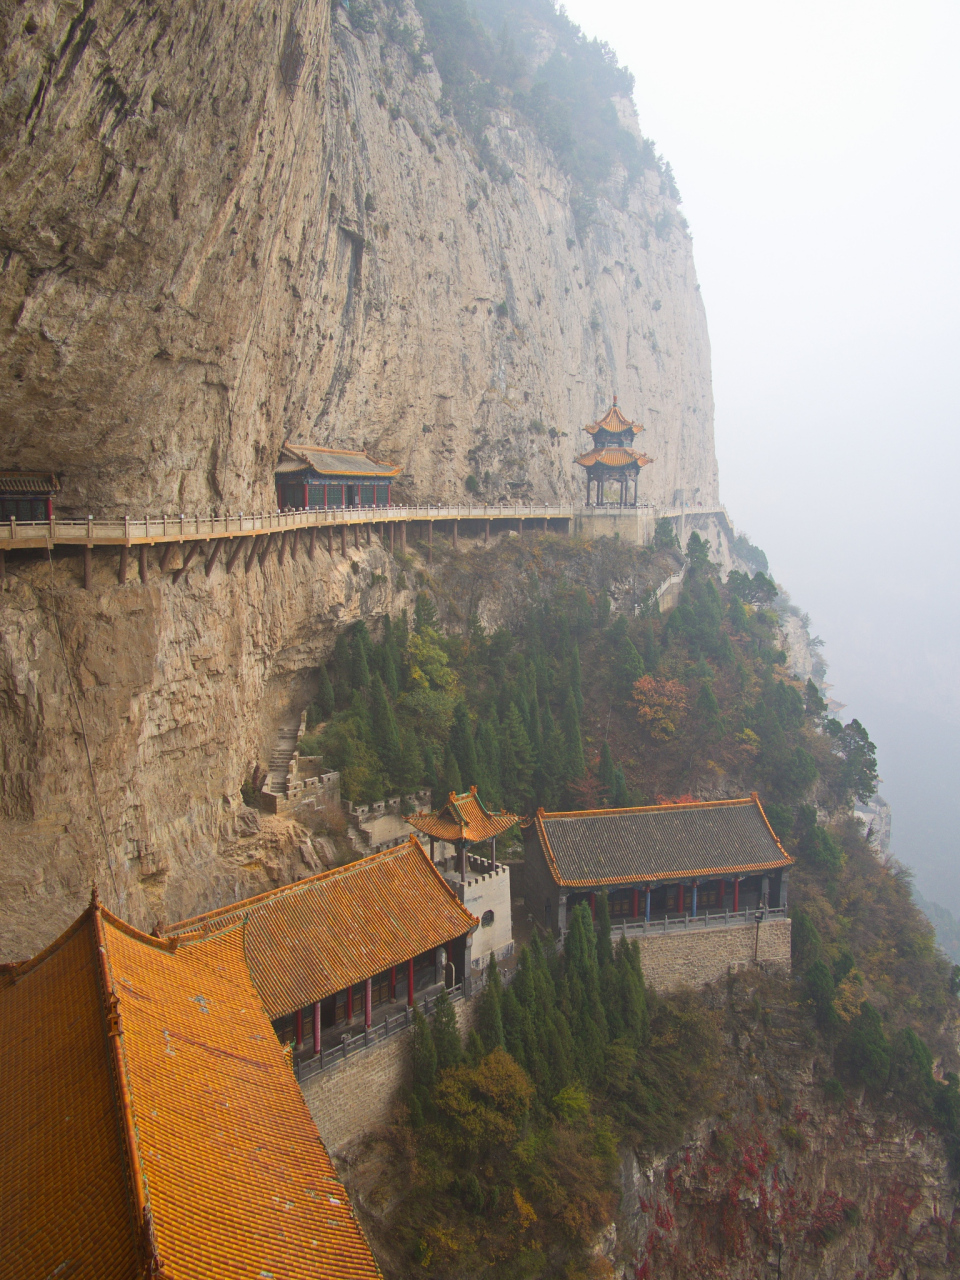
x=463, y=817
x=613, y=457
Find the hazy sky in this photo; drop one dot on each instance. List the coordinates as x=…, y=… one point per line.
x=816, y=148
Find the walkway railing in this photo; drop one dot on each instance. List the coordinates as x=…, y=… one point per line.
x=709, y=920
x=132, y=531
x=370, y=1036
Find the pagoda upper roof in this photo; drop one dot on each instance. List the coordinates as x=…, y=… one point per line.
x=463, y=817
x=151, y=1122
x=333, y=462
x=613, y=456
x=613, y=420
x=307, y=940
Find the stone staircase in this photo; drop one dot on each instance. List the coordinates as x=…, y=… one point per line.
x=283, y=749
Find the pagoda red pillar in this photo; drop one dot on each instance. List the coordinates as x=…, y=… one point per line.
x=635, y=905
x=316, y=1027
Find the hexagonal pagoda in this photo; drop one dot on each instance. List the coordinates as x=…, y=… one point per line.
x=612, y=458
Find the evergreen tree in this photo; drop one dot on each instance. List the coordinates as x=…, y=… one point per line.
x=489, y=1013
x=451, y=776
x=430, y=779
x=410, y=768
x=604, y=942
x=516, y=762
x=383, y=724
x=552, y=763
x=424, y=1052
x=389, y=667
x=574, y=765
x=446, y=1037
x=605, y=772
x=359, y=664
x=474, y=1051
x=513, y=1027
x=488, y=763
x=462, y=746
x=708, y=713
x=325, y=700
x=620, y=799
x=424, y=614
x=632, y=996
x=651, y=648
x=587, y=1017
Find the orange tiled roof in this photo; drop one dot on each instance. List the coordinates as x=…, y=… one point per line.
x=612, y=456
x=154, y=1126
x=307, y=940
x=613, y=420
x=463, y=817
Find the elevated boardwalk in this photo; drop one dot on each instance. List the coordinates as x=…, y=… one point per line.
x=255, y=536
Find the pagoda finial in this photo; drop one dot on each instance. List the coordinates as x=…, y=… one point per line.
x=614, y=401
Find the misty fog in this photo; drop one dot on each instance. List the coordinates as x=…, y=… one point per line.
x=815, y=147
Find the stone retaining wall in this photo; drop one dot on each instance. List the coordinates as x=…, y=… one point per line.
x=691, y=958
x=353, y=1096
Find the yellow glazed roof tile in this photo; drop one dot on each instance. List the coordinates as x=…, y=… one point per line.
x=463, y=817
x=151, y=1124
x=307, y=940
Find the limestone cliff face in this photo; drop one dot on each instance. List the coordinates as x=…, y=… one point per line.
x=176, y=693
x=224, y=227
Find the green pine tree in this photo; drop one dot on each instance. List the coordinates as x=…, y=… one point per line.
x=488, y=763
x=552, y=763
x=325, y=700
x=383, y=724
x=451, y=777
x=424, y=1052
x=516, y=762
x=628, y=668
x=359, y=663
x=430, y=779
x=574, y=765
x=489, y=1012
x=390, y=677
x=604, y=942
x=463, y=747
x=446, y=1037
x=409, y=772
x=620, y=798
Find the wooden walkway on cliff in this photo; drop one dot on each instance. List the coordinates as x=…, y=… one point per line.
x=255, y=537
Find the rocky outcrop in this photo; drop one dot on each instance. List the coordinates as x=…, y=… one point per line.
x=224, y=227
x=784, y=1181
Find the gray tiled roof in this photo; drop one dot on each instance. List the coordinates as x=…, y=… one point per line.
x=660, y=842
x=333, y=462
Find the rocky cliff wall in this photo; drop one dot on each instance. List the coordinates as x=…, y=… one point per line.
x=224, y=227
x=176, y=691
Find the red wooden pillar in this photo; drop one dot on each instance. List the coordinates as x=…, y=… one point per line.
x=680, y=899
x=343, y=540
x=298, y=1023
x=316, y=1027
x=736, y=893
x=393, y=534
x=368, y=1002
x=593, y=906
x=410, y=983
x=393, y=982
x=635, y=906
x=306, y=496
x=350, y=1003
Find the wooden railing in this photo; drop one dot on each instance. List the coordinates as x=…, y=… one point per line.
x=133, y=531
x=369, y=1036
